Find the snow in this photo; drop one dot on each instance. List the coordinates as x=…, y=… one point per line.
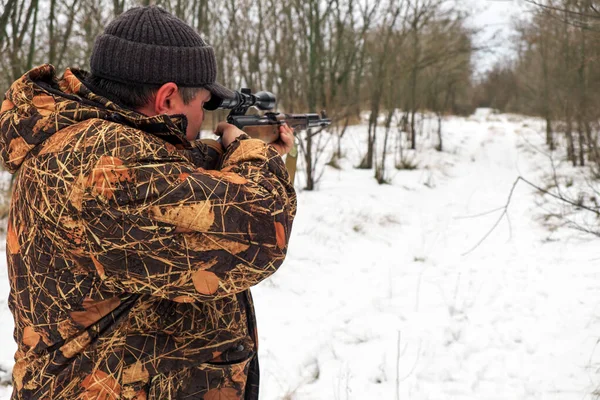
x=382, y=297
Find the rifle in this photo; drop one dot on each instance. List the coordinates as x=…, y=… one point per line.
x=265, y=127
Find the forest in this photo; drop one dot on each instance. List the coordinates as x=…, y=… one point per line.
x=342, y=56
x=555, y=75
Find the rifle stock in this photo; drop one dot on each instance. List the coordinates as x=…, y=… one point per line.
x=266, y=133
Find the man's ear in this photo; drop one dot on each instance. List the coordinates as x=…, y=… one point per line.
x=167, y=99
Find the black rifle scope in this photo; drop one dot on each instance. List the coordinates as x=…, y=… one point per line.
x=243, y=100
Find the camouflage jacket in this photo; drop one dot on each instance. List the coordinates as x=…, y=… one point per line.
x=130, y=259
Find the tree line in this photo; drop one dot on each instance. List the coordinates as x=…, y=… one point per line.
x=344, y=56
x=556, y=75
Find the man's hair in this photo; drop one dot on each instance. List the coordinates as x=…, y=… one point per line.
x=134, y=95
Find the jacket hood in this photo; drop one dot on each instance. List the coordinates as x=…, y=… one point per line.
x=39, y=104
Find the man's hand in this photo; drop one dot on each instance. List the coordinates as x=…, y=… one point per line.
x=228, y=133
x=285, y=143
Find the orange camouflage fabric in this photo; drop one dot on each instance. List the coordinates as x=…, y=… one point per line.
x=131, y=251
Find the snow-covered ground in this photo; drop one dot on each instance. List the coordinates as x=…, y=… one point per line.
x=378, y=300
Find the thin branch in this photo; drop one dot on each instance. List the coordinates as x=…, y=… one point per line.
x=564, y=10
x=498, y=220
x=505, y=212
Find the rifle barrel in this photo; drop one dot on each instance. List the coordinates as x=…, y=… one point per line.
x=298, y=121
x=305, y=121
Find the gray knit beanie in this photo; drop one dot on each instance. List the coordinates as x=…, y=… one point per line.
x=147, y=45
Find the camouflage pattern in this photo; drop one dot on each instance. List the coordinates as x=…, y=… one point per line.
x=131, y=251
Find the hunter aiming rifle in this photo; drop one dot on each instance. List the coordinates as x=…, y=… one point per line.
x=265, y=127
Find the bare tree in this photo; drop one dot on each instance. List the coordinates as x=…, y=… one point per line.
x=344, y=56
x=379, y=69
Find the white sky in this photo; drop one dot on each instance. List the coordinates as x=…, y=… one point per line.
x=495, y=18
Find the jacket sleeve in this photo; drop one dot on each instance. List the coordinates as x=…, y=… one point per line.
x=169, y=229
x=205, y=153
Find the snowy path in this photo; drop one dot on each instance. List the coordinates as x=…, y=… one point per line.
x=377, y=269
x=517, y=318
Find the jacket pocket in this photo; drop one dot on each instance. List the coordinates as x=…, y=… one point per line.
x=206, y=381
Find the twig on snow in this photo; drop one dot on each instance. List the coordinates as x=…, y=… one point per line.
x=547, y=192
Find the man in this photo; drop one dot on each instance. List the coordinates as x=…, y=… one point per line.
x=130, y=259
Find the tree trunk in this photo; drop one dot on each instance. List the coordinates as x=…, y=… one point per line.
x=413, y=133
x=340, y=135
x=581, y=143
x=546, y=100
x=413, y=83
x=549, y=135
x=367, y=161
x=51, y=34
x=8, y=8
x=380, y=170
x=33, y=37
x=439, y=146
x=594, y=154
x=569, y=134
x=308, y=158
